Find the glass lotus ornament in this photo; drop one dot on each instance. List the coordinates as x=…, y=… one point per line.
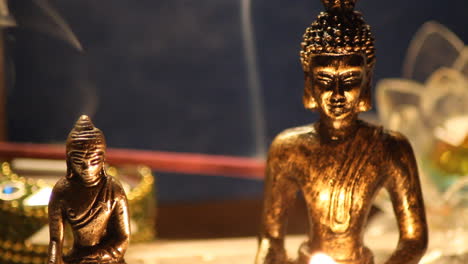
x=429, y=105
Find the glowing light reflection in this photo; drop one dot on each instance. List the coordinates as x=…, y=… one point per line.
x=40, y=198
x=321, y=258
x=324, y=196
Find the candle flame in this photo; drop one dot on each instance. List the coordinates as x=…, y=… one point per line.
x=321, y=258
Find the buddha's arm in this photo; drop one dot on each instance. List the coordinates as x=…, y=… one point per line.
x=280, y=192
x=405, y=192
x=116, y=246
x=56, y=230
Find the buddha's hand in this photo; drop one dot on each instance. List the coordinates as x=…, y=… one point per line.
x=100, y=254
x=271, y=252
x=103, y=254
x=106, y=254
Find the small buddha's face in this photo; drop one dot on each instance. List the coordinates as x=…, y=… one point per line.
x=87, y=164
x=337, y=82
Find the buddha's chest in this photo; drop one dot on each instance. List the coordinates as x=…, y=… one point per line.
x=340, y=186
x=335, y=163
x=336, y=189
x=83, y=204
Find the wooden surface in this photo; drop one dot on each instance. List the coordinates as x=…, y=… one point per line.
x=218, y=219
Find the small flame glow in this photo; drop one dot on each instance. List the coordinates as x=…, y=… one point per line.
x=321, y=258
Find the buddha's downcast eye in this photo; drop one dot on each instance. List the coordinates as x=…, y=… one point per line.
x=77, y=160
x=324, y=80
x=96, y=160
x=352, y=81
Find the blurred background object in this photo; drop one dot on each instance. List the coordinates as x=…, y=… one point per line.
x=29, y=14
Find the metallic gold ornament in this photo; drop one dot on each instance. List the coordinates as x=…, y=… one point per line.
x=91, y=202
x=340, y=163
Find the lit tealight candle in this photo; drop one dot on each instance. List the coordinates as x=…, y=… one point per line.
x=321, y=258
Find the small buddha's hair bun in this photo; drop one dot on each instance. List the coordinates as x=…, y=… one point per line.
x=85, y=135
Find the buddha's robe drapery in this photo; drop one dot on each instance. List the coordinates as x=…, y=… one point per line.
x=106, y=218
x=359, y=151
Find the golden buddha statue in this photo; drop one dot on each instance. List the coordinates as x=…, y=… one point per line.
x=91, y=202
x=340, y=163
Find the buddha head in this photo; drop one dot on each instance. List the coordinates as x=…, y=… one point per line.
x=338, y=57
x=85, y=152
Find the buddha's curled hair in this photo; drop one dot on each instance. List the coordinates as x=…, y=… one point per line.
x=85, y=136
x=337, y=31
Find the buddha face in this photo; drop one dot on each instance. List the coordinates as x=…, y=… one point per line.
x=336, y=83
x=87, y=164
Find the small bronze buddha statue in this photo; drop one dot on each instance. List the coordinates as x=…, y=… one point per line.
x=340, y=163
x=91, y=202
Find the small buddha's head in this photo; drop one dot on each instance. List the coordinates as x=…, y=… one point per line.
x=86, y=148
x=338, y=57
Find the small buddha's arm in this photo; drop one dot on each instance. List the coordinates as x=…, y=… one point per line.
x=405, y=192
x=119, y=229
x=280, y=193
x=56, y=230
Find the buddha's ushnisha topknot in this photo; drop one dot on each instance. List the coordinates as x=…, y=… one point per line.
x=339, y=30
x=85, y=135
x=339, y=5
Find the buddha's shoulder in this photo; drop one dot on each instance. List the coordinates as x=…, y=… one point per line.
x=385, y=135
x=62, y=190
x=296, y=136
x=115, y=185
x=397, y=144
x=62, y=186
x=393, y=142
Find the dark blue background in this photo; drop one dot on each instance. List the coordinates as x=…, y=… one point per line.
x=170, y=75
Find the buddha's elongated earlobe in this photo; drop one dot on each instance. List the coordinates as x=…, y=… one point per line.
x=365, y=102
x=69, y=174
x=309, y=102
x=308, y=98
